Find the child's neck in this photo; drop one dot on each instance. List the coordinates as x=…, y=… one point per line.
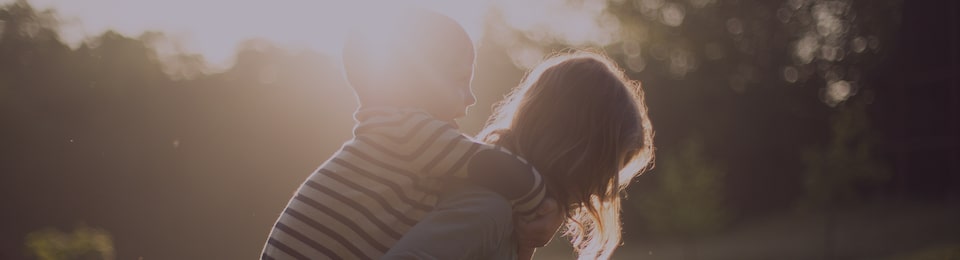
x=369, y=105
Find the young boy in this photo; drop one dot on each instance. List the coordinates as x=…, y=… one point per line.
x=412, y=82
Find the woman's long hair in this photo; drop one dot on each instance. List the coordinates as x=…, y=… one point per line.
x=584, y=126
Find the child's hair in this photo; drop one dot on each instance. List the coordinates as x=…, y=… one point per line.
x=395, y=58
x=584, y=126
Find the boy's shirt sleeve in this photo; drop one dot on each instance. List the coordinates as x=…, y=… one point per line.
x=508, y=175
x=437, y=149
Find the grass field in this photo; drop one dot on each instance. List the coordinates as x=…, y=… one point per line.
x=895, y=232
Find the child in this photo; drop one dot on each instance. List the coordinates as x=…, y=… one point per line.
x=411, y=83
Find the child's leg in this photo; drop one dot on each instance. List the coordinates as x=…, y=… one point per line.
x=468, y=223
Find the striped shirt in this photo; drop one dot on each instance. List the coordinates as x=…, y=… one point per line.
x=362, y=200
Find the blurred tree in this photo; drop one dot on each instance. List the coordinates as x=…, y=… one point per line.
x=688, y=201
x=755, y=43
x=84, y=243
x=760, y=76
x=838, y=173
x=139, y=129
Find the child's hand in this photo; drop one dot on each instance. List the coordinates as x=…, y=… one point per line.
x=537, y=232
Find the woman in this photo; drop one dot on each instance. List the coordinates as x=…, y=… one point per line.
x=577, y=120
x=584, y=126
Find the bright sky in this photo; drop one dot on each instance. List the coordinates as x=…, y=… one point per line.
x=214, y=27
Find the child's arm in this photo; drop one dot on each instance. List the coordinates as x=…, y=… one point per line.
x=512, y=178
x=434, y=148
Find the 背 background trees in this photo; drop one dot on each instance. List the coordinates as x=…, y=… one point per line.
x=805, y=129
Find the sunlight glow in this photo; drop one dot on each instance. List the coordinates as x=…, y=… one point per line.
x=827, y=16
x=806, y=48
x=837, y=92
x=586, y=23
x=648, y=8
x=672, y=14
x=575, y=23
x=214, y=28
x=829, y=37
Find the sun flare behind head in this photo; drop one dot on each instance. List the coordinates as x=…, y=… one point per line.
x=214, y=28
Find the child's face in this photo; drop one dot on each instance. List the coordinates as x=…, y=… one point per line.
x=463, y=78
x=455, y=73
